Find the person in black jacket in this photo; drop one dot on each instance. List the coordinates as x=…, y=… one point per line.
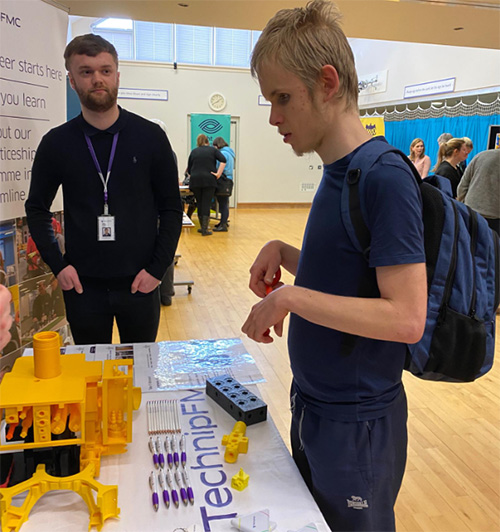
x=450, y=155
x=203, y=171
x=118, y=178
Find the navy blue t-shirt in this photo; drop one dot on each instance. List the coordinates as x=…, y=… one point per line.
x=359, y=383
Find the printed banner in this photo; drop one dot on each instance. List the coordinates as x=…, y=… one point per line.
x=210, y=125
x=32, y=92
x=374, y=125
x=32, y=101
x=431, y=87
x=372, y=83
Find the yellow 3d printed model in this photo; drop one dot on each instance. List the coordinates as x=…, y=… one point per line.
x=235, y=443
x=240, y=480
x=49, y=393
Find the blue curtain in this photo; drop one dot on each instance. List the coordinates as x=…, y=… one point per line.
x=401, y=134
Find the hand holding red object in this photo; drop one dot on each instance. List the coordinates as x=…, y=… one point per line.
x=270, y=288
x=276, y=279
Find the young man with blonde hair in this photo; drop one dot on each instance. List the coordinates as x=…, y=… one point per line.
x=350, y=318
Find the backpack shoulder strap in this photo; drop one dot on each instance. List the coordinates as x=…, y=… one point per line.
x=351, y=211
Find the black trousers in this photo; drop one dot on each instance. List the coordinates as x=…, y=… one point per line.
x=167, y=282
x=90, y=314
x=204, y=197
x=353, y=469
x=223, y=208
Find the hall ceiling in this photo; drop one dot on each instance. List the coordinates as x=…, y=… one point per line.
x=474, y=23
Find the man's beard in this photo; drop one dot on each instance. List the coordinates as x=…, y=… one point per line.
x=99, y=104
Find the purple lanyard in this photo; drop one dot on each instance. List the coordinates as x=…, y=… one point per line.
x=98, y=167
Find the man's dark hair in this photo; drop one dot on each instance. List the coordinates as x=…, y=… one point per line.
x=90, y=45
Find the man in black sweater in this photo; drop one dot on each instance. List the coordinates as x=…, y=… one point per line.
x=118, y=177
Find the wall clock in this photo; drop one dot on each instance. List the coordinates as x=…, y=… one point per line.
x=217, y=101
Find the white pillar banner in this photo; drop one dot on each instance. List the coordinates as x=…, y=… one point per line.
x=32, y=92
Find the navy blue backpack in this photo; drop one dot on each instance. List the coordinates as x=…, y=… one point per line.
x=462, y=260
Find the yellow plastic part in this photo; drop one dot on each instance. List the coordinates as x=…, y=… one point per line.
x=240, y=480
x=103, y=507
x=235, y=443
x=49, y=392
x=48, y=360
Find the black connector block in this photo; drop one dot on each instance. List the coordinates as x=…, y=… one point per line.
x=236, y=400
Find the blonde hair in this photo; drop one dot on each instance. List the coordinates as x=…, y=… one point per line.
x=414, y=142
x=305, y=39
x=201, y=140
x=468, y=143
x=447, y=149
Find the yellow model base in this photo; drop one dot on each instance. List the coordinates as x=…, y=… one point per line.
x=103, y=507
x=47, y=393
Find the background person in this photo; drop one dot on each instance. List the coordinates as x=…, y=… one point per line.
x=42, y=307
x=203, y=172
x=223, y=201
x=417, y=156
x=5, y=316
x=56, y=226
x=56, y=299
x=349, y=410
x=479, y=187
x=167, y=290
x=444, y=138
x=450, y=154
x=35, y=266
x=463, y=164
x=116, y=170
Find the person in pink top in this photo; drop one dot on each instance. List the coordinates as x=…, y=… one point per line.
x=417, y=156
x=5, y=316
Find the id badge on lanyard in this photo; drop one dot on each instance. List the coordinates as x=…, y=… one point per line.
x=105, y=222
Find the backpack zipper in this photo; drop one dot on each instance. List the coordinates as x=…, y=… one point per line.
x=451, y=272
x=497, y=270
x=473, y=243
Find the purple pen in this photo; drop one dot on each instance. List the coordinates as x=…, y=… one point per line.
x=152, y=448
x=183, y=450
x=161, y=458
x=163, y=485
x=168, y=449
x=185, y=477
x=175, y=497
x=152, y=485
x=174, y=450
x=184, y=497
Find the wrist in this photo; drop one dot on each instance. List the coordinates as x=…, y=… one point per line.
x=286, y=295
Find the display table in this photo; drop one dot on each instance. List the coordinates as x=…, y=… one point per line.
x=275, y=482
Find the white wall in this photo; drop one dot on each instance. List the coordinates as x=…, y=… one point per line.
x=268, y=171
x=475, y=69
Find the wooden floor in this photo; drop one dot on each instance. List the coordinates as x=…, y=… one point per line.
x=452, y=481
